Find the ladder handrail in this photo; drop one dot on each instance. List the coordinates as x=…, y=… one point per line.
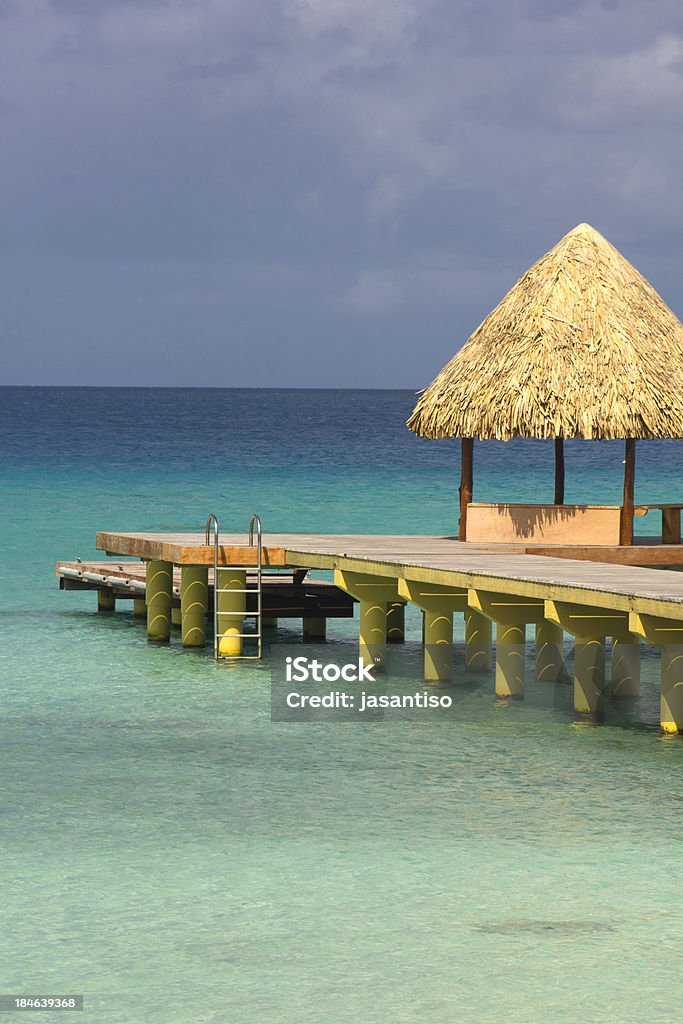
x=255, y=519
x=212, y=520
x=259, y=576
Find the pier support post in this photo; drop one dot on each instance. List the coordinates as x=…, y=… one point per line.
x=549, y=652
x=396, y=622
x=231, y=605
x=478, y=641
x=194, y=602
x=373, y=593
x=106, y=602
x=159, y=597
x=139, y=608
x=270, y=621
x=667, y=634
x=372, y=634
x=438, y=604
x=175, y=616
x=511, y=615
x=315, y=628
x=671, y=699
x=589, y=679
x=510, y=660
x=625, y=667
x=438, y=651
x=589, y=626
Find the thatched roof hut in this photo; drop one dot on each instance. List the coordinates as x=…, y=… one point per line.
x=581, y=346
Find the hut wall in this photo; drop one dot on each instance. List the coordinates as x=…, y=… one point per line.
x=550, y=524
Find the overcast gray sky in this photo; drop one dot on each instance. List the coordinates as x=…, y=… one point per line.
x=325, y=193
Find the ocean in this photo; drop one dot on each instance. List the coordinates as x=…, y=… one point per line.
x=175, y=856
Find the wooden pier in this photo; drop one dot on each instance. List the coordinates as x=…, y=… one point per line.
x=287, y=595
x=587, y=596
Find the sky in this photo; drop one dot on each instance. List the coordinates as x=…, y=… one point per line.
x=316, y=193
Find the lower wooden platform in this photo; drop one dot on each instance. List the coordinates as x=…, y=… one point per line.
x=286, y=595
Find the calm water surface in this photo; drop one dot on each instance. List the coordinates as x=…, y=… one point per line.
x=175, y=856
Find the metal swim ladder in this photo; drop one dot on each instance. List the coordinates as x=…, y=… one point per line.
x=218, y=633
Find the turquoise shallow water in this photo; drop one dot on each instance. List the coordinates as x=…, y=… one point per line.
x=175, y=856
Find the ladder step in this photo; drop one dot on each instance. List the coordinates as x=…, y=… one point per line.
x=242, y=568
x=244, y=614
x=255, y=636
x=238, y=657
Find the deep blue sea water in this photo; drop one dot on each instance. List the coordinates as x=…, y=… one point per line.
x=175, y=856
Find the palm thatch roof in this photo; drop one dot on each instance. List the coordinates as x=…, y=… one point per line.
x=582, y=346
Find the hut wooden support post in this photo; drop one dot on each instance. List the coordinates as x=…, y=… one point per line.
x=466, y=462
x=559, y=471
x=626, y=524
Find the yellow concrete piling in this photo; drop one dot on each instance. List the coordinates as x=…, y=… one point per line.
x=589, y=679
x=106, y=602
x=510, y=660
x=478, y=641
x=511, y=615
x=438, y=604
x=625, y=667
x=315, y=628
x=139, y=608
x=270, y=621
x=373, y=594
x=372, y=633
x=175, y=616
x=194, y=600
x=667, y=634
x=438, y=651
x=159, y=598
x=589, y=626
x=232, y=605
x=396, y=622
x=671, y=700
x=549, y=652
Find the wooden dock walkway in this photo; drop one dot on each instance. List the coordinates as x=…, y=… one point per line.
x=590, y=597
x=439, y=560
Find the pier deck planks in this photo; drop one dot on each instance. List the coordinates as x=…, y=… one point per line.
x=505, y=569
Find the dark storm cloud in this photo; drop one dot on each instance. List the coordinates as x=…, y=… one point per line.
x=353, y=184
